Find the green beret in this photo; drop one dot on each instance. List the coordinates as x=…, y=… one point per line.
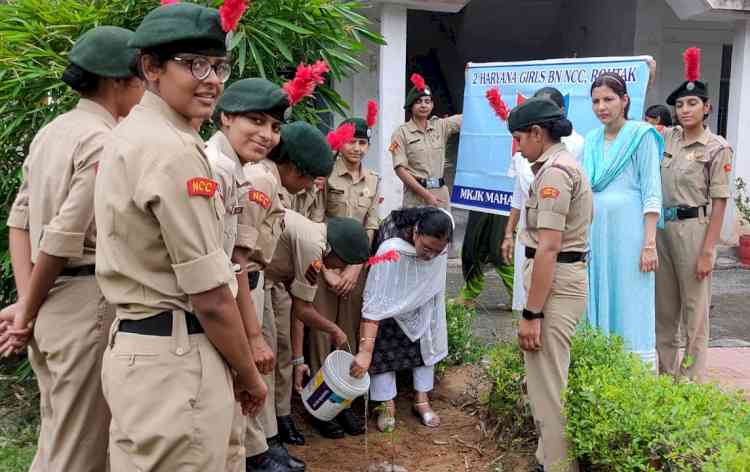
x=305, y=147
x=532, y=112
x=255, y=94
x=415, y=94
x=104, y=51
x=185, y=23
x=348, y=240
x=360, y=128
x=689, y=89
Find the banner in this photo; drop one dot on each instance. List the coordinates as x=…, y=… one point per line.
x=486, y=146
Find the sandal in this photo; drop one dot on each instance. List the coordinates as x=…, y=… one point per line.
x=429, y=418
x=387, y=418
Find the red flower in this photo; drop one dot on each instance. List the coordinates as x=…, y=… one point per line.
x=692, y=58
x=497, y=103
x=389, y=256
x=372, y=113
x=230, y=12
x=418, y=82
x=305, y=80
x=343, y=135
x=169, y=2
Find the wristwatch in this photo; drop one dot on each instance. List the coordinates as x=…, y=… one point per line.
x=530, y=315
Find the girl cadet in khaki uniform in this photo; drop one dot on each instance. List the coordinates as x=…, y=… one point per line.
x=351, y=191
x=52, y=227
x=418, y=149
x=160, y=260
x=695, y=176
x=558, y=216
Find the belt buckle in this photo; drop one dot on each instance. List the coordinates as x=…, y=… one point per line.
x=670, y=214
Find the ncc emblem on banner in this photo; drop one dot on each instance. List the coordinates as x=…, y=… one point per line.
x=201, y=186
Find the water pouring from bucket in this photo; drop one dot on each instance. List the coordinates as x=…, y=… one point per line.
x=332, y=389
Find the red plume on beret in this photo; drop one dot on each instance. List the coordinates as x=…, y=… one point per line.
x=389, y=256
x=372, y=113
x=692, y=58
x=305, y=80
x=418, y=82
x=169, y=2
x=497, y=103
x=342, y=135
x=230, y=12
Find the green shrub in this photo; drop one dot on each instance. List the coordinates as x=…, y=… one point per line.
x=622, y=417
x=463, y=346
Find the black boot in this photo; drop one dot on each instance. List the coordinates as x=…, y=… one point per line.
x=351, y=423
x=279, y=453
x=288, y=432
x=264, y=463
x=328, y=429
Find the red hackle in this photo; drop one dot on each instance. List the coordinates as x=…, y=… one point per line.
x=305, y=80
x=342, y=135
x=497, y=103
x=418, y=82
x=230, y=12
x=169, y=2
x=388, y=256
x=692, y=58
x=372, y=113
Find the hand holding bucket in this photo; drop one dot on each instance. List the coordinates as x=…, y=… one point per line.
x=332, y=389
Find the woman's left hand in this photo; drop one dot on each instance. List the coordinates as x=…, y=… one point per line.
x=360, y=364
x=705, y=265
x=649, y=259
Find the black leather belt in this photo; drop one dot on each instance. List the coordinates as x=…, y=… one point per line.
x=82, y=271
x=159, y=325
x=431, y=183
x=689, y=212
x=253, y=279
x=562, y=257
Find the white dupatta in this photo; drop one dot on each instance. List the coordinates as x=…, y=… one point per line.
x=412, y=291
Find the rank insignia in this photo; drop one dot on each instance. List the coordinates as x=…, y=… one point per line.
x=201, y=186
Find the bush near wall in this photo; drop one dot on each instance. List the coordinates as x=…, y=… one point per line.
x=622, y=417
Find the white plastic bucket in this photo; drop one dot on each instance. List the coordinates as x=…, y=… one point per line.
x=332, y=389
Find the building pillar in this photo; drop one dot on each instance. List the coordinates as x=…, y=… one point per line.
x=391, y=93
x=738, y=120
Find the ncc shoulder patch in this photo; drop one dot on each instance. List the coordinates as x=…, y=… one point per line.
x=727, y=168
x=260, y=198
x=201, y=187
x=311, y=274
x=393, y=147
x=549, y=192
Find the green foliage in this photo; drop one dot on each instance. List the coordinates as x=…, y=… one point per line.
x=742, y=201
x=19, y=415
x=463, y=346
x=623, y=417
x=506, y=400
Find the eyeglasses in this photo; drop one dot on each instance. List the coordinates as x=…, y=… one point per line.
x=201, y=67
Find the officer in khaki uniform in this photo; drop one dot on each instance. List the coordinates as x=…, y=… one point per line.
x=418, y=150
x=695, y=174
x=558, y=216
x=249, y=116
x=351, y=191
x=160, y=261
x=52, y=219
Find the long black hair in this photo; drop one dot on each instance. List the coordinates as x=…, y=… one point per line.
x=407, y=222
x=616, y=83
x=660, y=112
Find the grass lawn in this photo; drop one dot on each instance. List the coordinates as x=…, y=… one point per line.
x=19, y=415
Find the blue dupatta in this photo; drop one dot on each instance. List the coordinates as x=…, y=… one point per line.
x=603, y=168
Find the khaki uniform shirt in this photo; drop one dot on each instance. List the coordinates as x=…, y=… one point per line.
x=692, y=173
x=560, y=199
x=159, y=215
x=422, y=153
x=310, y=204
x=55, y=202
x=358, y=199
x=299, y=256
x=265, y=211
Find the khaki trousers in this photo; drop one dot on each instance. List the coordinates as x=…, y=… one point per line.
x=345, y=312
x=255, y=437
x=70, y=336
x=411, y=199
x=547, y=369
x=172, y=401
x=680, y=294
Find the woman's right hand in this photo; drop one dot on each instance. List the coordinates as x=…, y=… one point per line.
x=361, y=364
x=506, y=249
x=649, y=259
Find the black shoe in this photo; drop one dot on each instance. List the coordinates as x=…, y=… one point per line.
x=328, y=429
x=351, y=423
x=264, y=463
x=288, y=432
x=538, y=468
x=279, y=453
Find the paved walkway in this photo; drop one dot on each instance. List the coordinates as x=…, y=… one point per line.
x=730, y=367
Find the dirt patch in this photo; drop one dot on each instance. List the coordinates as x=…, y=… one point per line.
x=460, y=444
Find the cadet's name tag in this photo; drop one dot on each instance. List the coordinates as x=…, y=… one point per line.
x=550, y=192
x=260, y=198
x=201, y=187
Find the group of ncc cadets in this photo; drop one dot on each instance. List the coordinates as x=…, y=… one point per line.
x=173, y=292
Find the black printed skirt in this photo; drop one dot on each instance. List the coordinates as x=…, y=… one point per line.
x=394, y=350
